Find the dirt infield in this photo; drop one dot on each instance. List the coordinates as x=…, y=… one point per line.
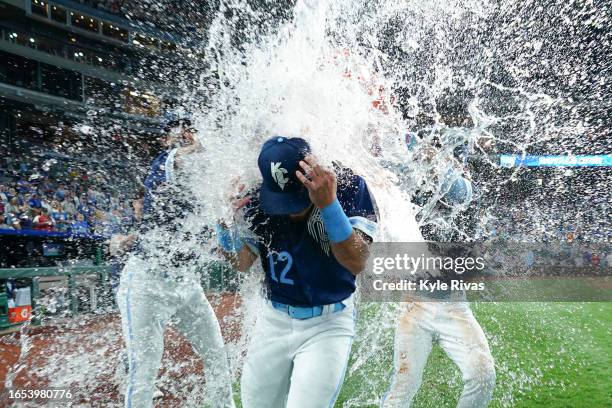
x=86, y=354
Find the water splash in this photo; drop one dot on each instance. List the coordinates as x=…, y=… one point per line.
x=427, y=67
x=522, y=74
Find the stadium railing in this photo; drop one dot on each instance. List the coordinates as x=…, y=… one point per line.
x=83, y=256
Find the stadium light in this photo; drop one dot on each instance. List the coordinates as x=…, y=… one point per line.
x=32, y=40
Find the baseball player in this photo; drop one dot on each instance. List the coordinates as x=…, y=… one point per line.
x=443, y=317
x=159, y=281
x=311, y=228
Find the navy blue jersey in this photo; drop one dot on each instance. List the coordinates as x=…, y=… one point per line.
x=168, y=201
x=300, y=268
x=165, y=200
x=154, y=183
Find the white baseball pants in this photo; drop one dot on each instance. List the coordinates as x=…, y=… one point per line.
x=297, y=363
x=453, y=325
x=147, y=301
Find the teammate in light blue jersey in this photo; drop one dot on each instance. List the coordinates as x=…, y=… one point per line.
x=312, y=227
x=441, y=316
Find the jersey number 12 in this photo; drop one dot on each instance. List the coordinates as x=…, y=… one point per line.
x=281, y=257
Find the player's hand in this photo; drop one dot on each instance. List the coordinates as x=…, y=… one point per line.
x=237, y=199
x=320, y=182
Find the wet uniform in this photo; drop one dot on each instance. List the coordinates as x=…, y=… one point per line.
x=159, y=282
x=445, y=318
x=299, y=349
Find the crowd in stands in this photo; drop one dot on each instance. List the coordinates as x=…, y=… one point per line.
x=551, y=224
x=75, y=205
x=573, y=237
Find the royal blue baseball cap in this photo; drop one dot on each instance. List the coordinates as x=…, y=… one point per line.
x=281, y=191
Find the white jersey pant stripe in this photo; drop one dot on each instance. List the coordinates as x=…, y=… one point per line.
x=147, y=302
x=294, y=363
x=130, y=338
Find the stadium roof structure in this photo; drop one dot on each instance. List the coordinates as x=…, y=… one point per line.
x=76, y=109
x=104, y=17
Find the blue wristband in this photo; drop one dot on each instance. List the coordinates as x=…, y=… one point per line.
x=228, y=240
x=336, y=222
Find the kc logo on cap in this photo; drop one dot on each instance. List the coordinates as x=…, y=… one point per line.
x=278, y=174
x=281, y=191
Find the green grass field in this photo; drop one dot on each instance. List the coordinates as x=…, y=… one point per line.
x=546, y=355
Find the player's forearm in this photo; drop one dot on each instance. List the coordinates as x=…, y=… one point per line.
x=352, y=253
x=234, y=249
x=241, y=260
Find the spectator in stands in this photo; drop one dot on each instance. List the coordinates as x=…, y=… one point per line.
x=3, y=194
x=12, y=206
x=12, y=220
x=46, y=187
x=34, y=201
x=93, y=195
x=69, y=205
x=23, y=187
x=12, y=193
x=81, y=201
x=80, y=225
x=59, y=216
x=41, y=220
x=61, y=192
x=3, y=224
x=25, y=216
